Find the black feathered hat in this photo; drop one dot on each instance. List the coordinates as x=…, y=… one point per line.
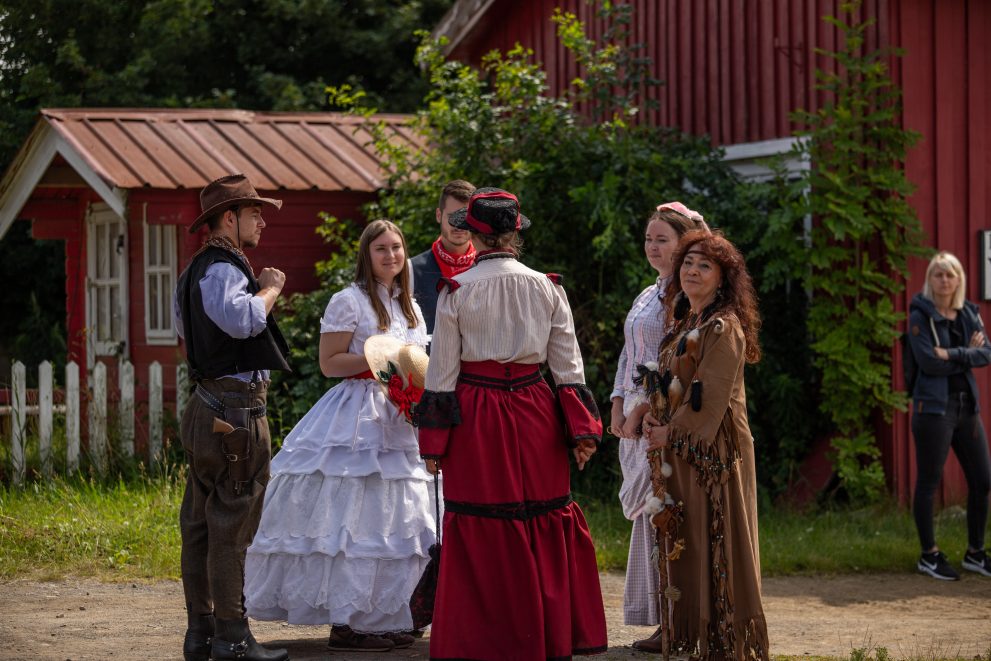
x=490, y=211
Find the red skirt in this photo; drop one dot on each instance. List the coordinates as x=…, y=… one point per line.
x=518, y=578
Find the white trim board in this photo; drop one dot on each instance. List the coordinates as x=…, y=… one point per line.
x=747, y=158
x=30, y=166
x=459, y=21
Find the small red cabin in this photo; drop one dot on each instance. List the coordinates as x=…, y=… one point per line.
x=734, y=70
x=120, y=186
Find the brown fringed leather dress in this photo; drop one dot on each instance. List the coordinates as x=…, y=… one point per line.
x=719, y=614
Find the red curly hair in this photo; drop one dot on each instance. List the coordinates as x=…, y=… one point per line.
x=738, y=296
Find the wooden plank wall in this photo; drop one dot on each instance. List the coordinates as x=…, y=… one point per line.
x=732, y=69
x=947, y=85
x=735, y=69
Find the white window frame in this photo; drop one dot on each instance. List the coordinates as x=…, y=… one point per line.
x=99, y=214
x=168, y=245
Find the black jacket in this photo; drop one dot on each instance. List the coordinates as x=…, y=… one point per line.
x=925, y=327
x=210, y=351
x=426, y=275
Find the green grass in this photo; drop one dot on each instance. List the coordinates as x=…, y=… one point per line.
x=881, y=538
x=128, y=529
x=113, y=531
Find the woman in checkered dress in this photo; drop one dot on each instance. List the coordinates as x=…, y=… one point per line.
x=644, y=329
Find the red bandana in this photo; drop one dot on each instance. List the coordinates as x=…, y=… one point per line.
x=451, y=265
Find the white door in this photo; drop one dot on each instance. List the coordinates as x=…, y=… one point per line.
x=106, y=283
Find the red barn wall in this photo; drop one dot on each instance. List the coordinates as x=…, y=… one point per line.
x=735, y=69
x=946, y=78
x=732, y=69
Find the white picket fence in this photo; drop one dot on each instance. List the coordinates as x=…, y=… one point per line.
x=96, y=411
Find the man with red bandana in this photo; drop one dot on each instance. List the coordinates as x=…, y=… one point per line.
x=451, y=254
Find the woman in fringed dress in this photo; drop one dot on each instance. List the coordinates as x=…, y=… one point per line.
x=711, y=451
x=645, y=327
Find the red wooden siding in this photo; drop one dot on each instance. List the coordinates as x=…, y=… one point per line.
x=946, y=81
x=732, y=69
x=735, y=69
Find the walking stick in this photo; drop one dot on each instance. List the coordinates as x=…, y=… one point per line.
x=664, y=394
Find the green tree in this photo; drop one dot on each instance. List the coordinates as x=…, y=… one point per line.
x=853, y=260
x=257, y=54
x=588, y=186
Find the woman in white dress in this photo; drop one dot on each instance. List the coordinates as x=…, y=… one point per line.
x=348, y=521
x=644, y=329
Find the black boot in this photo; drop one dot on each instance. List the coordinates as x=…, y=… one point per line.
x=199, y=633
x=233, y=640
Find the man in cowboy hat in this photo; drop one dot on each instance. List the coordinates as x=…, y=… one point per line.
x=449, y=255
x=223, y=313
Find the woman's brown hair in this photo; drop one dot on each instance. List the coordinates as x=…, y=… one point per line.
x=736, y=290
x=679, y=222
x=365, y=277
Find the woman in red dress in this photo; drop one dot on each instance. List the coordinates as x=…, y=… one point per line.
x=518, y=578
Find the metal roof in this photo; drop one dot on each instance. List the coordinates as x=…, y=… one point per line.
x=177, y=148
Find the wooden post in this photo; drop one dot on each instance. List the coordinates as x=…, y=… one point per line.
x=98, y=418
x=126, y=411
x=45, y=417
x=154, y=411
x=181, y=390
x=71, y=417
x=19, y=412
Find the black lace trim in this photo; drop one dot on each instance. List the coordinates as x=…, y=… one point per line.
x=592, y=437
x=437, y=410
x=523, y=511
x=501, y=384
x=586, y=397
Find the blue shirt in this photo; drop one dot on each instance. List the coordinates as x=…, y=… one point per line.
x=228, y=304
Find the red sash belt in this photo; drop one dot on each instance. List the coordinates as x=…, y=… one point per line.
x=367, y=374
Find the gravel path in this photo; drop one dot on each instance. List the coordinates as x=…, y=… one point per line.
x=913, y=616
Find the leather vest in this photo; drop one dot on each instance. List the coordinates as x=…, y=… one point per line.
x=210, y=351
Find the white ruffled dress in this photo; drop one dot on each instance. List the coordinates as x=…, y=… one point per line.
x=348, y=515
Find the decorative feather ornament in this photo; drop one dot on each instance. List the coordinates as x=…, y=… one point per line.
x=675, y=392
x=692, y=341
x=675, y=553
x=654, y=505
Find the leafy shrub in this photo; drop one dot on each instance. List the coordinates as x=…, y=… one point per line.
x=589, y=188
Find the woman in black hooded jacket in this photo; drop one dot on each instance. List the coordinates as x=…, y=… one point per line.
x=947, y=339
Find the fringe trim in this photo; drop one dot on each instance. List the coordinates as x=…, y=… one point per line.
x=750, y=643
x=714, y=466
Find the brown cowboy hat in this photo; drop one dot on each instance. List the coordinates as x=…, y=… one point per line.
x=226, y=192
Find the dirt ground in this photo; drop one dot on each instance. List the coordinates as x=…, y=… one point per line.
x=912, y=616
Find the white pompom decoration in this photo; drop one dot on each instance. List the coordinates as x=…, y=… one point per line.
x=666, y=469
x=653, y=506
x=651, y=365
x=668, y=500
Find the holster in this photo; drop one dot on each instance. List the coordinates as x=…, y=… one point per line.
x=236, y=445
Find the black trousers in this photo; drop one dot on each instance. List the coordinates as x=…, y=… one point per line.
x=960, y=428
x=217, y=525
